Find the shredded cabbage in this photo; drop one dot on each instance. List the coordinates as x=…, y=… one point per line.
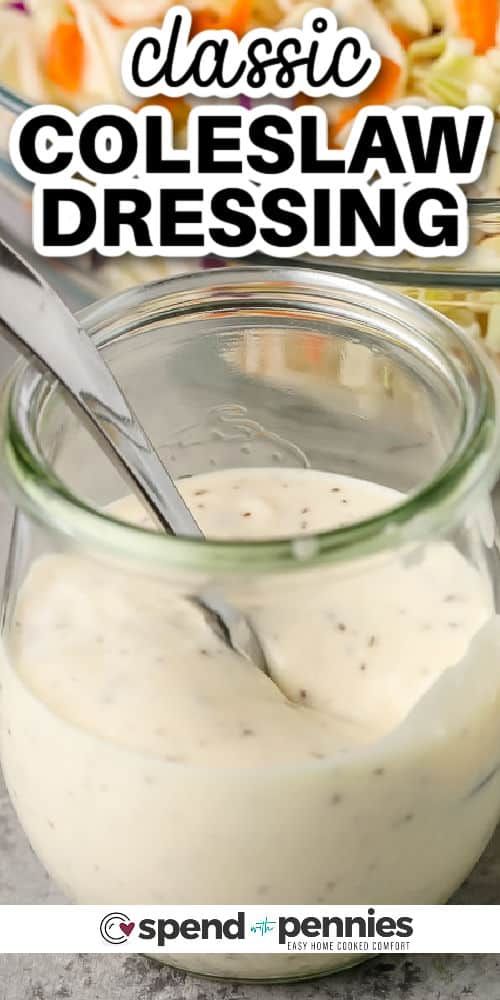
x=439, y=67
x=414, y=15
x=476, y=312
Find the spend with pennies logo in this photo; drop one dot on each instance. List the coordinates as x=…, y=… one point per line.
x=116, y=928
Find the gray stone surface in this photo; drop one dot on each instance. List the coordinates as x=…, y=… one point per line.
x=93, y=977
x=97, y=977
x=61, y=977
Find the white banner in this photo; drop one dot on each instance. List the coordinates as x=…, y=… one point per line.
x=251, y=929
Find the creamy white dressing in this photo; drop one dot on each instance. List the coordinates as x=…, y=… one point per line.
x=149, y=763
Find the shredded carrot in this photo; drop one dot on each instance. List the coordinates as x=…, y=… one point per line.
x=237, y=18
x=115, y=21
x=65, y=56
x=404, y=35
x=477, y=20
x=314, y=348
x=332, y=137
x=178, y=107
x=302, y=99
x=381, y=91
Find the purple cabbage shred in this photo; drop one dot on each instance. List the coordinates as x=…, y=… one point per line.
x=212, y=261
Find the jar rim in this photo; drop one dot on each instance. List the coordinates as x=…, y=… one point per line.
x=472, y=464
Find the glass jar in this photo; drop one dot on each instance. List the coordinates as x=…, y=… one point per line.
x=147, y=762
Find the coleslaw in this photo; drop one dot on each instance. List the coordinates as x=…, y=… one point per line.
x=433, y=51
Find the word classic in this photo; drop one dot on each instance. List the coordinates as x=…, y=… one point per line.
x=320, y=59
x=260, y=180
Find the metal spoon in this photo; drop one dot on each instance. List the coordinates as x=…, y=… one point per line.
x=39, y=324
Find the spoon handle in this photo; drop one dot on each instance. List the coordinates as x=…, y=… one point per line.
x=40, y=325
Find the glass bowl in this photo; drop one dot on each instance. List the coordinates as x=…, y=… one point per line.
x=466, y=289
x=81, y=280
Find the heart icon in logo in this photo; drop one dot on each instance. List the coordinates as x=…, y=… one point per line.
x=127, y=929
